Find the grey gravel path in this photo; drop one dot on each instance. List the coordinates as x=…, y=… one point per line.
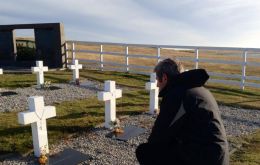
x=104, y=150
x=18, y=98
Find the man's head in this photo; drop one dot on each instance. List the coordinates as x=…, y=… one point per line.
x=165, y=71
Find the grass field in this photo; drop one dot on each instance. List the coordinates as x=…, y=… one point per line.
x=74, y=117
x=249, y=153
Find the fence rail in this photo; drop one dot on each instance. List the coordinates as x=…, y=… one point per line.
x=75, y=48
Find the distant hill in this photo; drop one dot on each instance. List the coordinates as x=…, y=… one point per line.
x=25, y=38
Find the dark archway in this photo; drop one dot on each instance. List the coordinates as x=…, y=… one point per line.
x=49, y=42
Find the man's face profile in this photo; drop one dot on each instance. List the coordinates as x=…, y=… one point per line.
x=163, y=82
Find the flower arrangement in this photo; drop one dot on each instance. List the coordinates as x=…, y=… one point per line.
x=117, y=129
x=43, y=159
x=46, y=85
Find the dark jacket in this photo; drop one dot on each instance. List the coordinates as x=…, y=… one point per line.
x=189, y=129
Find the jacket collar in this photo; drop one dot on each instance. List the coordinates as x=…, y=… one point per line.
x=188, y=79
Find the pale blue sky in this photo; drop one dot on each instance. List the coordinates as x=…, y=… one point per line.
x=173, y=22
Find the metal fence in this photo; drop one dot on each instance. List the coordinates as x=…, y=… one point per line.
x=79, y=50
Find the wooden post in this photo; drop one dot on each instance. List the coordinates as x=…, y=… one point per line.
x=243, y=77
x=126, y=59
x=158, y=54
x=73, y=51
x=101, y=58
x=66, y=55
x=197, y=58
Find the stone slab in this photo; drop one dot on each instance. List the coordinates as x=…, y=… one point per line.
x=68, y=157
x=8, y=93
x=129, y=132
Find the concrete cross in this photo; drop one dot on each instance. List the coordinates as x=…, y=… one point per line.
x=109, y=96
x=75, y=67
x=154, y=91
x=1, y=71
x=39, y=69
x=36, y=116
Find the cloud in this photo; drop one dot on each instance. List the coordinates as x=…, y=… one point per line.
x=186, y=22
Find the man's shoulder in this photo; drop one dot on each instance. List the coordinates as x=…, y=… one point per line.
x=200, y=97
x=198, y=92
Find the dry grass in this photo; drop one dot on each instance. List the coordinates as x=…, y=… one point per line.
x=170, y=53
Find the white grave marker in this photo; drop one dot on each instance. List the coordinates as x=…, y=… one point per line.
x=39, y=69
x=154, y=91
x=75, y=67
x=36, y=116
x=109, y=96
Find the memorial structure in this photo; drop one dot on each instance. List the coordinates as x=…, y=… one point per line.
x=49, y=42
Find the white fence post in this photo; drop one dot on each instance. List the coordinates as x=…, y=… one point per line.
x=66, y=55
x=73, y=51
x=126, y=59
x=101, y=58
x=197, y=58
x=243, y=78
x=158, y=54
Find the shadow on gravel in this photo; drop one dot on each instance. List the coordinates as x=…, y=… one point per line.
x=11, y=156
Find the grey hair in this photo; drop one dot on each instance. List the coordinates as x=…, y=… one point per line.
x=169, y=67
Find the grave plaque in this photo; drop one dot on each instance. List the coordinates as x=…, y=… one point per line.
x=129, y=132
x=68, y=157
x=8, y=93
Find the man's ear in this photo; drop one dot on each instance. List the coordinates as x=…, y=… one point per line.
x=164, y=77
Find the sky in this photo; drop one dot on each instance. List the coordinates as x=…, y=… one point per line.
x=225, y=23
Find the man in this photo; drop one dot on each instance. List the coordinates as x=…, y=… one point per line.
x=189, y=129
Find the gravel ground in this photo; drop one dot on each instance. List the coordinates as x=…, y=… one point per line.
x=105, y=150
x=17, y=99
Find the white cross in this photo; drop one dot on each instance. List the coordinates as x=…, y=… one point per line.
x=39, y=69
x=75, y=69
x=36, y=116
x=154, y=91
x=109, y=96
x=1, y=71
